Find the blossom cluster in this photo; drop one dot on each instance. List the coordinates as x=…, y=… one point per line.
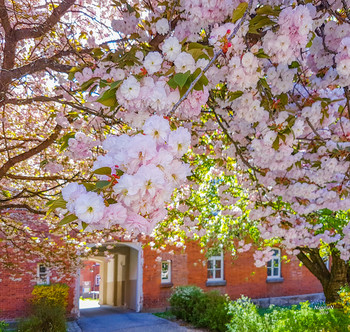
x=151, y=168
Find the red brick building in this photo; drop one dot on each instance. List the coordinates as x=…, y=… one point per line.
x=90, y=279
x=142, y=279
x=15, y=294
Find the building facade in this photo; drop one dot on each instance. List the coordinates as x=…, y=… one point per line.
x=142, y=279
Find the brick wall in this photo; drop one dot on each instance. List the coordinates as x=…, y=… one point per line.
x=241, y=275
x=15, y=295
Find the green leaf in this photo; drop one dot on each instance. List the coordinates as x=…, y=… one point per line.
x=261, y=54
x=259, y=22
x=89, y=186
x=283, y=98
x=202, y=47
x=102, y=184
x=172, y=83
x=115, y=84
x=108, y=98
x=203, y=81
x=294, y=64
x=268, y=10
x=235, y=95
x=181, y=78
x=276, y=143
x=64, y=140
x=88, y=83
x=68, y=219
x=55, y=204
x=84, y=224
x=239, y=12
x=196, y=53
x=97, y=52
x=103, y=171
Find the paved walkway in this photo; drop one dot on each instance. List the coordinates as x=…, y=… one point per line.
x=110, y=319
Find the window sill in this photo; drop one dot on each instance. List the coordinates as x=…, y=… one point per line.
x=273, y=280
x=211, y=283
x=166, y=285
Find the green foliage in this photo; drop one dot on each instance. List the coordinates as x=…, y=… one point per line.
x=54, y=295
x=201, y=309
x=49, y=309
x=246, y=318
x=212, y=311
x=183, y=301
x=3, y=326
x=45, y=319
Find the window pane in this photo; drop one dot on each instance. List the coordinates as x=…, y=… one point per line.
x=269, y=264
x=275, y=252
x=269, y=272
x=275, y=271
x=218, y=274
x=218, y=264
x=275, y=263
x=210, y=274
x=210, y=264
x=165, y=270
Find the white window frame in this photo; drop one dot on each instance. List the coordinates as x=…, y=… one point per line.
x=168, y=278
x=215, y=259
x=43, y=277
x=276, y=257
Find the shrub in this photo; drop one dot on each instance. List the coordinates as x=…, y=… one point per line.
x=344, y=299
x=293, y=319
x=3, y=326
x=212, y=311
x=245, y=317
x=45, y=319
x=183, y=301
x=201, y=309
x=49, y=309
x=54, y=295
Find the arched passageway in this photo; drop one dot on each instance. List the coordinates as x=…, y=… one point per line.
x=120, y=275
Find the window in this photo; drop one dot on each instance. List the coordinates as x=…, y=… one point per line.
x=215, y=268
x=97, y=280
x=274, y=265
x=166, y=272
x=43, y=275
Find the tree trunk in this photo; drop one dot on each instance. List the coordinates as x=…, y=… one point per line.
x=338, y=278
x=331, y=281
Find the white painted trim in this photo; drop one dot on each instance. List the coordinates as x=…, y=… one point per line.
x=168, y=280
x=213, y=258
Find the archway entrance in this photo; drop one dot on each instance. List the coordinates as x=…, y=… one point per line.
x=120, y=276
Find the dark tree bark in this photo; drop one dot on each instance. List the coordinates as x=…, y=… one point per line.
x=331, y=280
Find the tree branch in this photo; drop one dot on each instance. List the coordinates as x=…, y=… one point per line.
x=35, y=178
x=41, y=29
x=22, y=206
x=312, y=267
x=28, y=154
x=5, y=22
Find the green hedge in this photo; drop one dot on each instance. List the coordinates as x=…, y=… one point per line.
x=216, y=312
x=201, y=309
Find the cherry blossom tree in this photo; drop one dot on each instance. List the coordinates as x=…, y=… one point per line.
x=258, y=88
x=41, y=41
